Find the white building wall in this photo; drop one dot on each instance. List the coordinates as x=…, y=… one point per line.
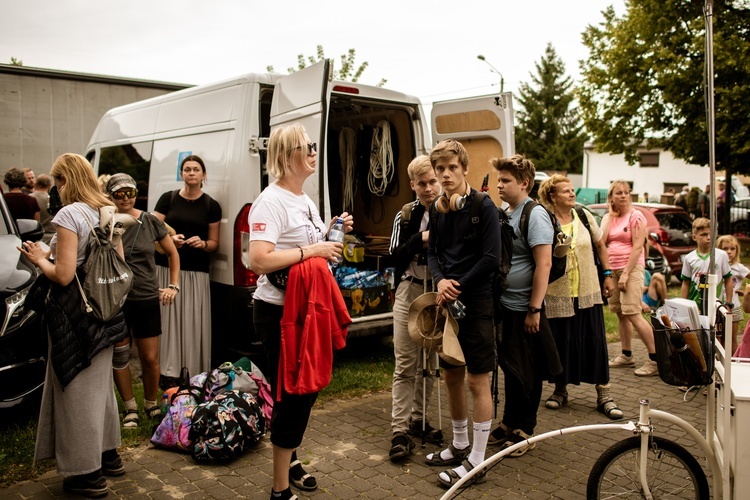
x=600, y=169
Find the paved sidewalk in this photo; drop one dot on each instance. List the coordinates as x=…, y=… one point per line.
x=346, y=448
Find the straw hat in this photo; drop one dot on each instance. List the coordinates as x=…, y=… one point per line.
x=433, y=327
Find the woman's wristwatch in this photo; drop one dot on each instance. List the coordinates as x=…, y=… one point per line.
x=176, y=288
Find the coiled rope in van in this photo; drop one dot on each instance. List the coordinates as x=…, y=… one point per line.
x=347, y=153
x=381, y=159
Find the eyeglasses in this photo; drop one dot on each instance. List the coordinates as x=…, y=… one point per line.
x=311, y=146
x=121, y=195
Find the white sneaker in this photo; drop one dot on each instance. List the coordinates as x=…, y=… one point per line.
x=649, y=369
x=621, y=361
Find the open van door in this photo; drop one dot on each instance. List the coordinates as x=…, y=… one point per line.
x=484, y=125
x=303, y=97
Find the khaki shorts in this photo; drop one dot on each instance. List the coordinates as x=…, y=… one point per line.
x=629, y=301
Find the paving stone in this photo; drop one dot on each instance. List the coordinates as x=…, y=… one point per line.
x=347, y=442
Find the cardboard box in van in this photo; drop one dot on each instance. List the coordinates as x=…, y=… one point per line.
x=366, y=138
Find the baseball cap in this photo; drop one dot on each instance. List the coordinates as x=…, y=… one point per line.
x=120, y=181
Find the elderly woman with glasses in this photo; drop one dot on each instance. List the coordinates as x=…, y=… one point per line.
x=143, y=306
x=186, y=326
x=286, y=229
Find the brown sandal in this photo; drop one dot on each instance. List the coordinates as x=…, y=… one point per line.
x=557, y=400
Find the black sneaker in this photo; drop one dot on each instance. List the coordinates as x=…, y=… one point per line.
x=401, y=447
x=430, y=434
x=91, y=485
x=112, y=464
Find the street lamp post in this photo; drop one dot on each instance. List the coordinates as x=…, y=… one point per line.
x=502, y=80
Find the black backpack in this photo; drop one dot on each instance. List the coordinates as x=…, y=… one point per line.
x=559, y=264
x=507, y=235
x=223, y=428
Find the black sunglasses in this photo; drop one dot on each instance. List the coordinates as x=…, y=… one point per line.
x=311, y=146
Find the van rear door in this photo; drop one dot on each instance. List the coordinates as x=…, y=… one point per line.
x=484, y=125
x=303, y=97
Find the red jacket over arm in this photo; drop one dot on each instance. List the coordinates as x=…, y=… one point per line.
x=314, y=323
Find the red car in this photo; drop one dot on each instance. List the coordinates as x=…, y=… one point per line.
x=669, y=230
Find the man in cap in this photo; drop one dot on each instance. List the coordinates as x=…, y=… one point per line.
x=463, y=251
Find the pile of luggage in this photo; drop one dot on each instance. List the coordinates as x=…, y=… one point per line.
x=216, y=415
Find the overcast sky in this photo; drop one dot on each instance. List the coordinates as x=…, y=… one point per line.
x=423, y=48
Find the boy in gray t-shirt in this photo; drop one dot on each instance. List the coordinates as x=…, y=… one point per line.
x=527, y=354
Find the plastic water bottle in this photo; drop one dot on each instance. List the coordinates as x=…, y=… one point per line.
x=337, y=232
x=164, y=403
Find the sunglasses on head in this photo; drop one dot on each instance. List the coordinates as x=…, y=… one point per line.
x=121, y=195
x=311, y=146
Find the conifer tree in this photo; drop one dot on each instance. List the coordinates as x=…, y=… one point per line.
x=549, y=131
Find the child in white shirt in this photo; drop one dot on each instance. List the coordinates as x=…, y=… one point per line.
x=731, y=246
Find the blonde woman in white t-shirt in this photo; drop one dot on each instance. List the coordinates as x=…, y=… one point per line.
x=286, y=228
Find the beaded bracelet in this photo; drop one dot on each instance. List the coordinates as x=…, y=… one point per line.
x=607, y=272
x=301, y=254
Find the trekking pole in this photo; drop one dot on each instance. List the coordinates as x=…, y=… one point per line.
x=495, y=391
x=440, y=406
x=425, y=374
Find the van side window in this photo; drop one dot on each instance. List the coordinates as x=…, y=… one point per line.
x=132, y=159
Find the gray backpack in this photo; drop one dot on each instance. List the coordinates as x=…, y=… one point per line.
x=107, y=278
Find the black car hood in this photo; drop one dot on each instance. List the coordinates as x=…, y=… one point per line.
x=16, y=272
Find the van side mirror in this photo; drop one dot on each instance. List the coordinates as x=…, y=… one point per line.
x=30, y=229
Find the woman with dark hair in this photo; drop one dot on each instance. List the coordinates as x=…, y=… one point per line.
x=78, y=422
x=186, y=326
x=20, y=204
x=574, y=302
x=286, y=229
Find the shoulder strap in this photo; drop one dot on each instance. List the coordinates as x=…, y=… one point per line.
x=476, y=206
x=86, y=218
x=585, y=220
x=523, y=224
x=406, y=213
x=86, y=304
x=140, y=223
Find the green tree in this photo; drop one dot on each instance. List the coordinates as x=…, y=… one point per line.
x=643, y=81
x=15, y=62
x=348, y=71
x=549, y=131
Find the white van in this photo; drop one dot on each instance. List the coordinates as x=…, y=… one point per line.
x=228, y=123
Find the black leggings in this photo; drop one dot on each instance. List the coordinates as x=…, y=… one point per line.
x=291, y=414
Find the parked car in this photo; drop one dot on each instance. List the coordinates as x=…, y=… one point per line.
x=669, y=232
x=23, y=344
x=740, y=216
